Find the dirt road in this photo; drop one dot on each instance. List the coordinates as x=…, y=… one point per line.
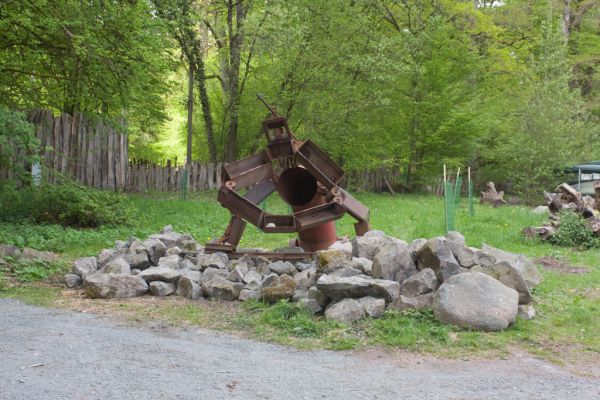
x=55, y=354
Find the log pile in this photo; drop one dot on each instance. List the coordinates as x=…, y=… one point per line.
x=567, y=198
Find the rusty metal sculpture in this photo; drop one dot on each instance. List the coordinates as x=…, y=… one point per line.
x=303, y=175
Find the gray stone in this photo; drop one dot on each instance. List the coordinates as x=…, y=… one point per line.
x=262, y=265
x=342, y=245
x=337, y=288
x=306, y=279
x=456, y=237
x=189, y=246
x=299, y=294
x=366, y=245
x=246, y=294
x=167, y=229
x=158, y=288
x=526, y=311
x=311, y=305
x=435, y=254
x=541, y=210
x=210, y=273
x=269, y=279
x=520, y=262
x=345, y=311
x=509, y=276
x=137, y=261
x=374, y=308
x=188, y=264
x=482, y=258
x=423, y=282
x=346, y=271
x=238, y=272
x=31, y=254
x=85, y=266
x=172, y=261
x=392, y=261
x=328, y=261
x=464, y=255
x=301, y=266
x=216, y=260
x=420, y=302
x=160, y=274
x=169, y=239
x=106, y=286
x=121, y=245
x=221, y=288
x=278, y=288
x=320, y=297
x=283, y=267
x=116, y=266
x=105, y=256
x=362, y=264
x=174, y=251
x=8, y=250
x=155, y=249
x=415, y=246
x=73, y=280
x=475, y=301
x=188, y=288
x=251, y=276
x=136, y=271
x=195, y=276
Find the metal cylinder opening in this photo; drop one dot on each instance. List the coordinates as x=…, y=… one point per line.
x=297, y=186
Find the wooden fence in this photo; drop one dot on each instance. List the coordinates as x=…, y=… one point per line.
x=92, y=153
x=168, y=177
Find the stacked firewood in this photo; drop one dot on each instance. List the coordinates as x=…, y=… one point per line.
x=566, y=198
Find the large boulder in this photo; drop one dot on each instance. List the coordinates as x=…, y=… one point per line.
x=305, y=279
x=345, y=311
x=72, y=280
x=337, y=288
x=464, y=255
x=169, y=239
x=328, y=261
x=374, y=308
x=154, y=248
x=173, y=261
x=32, y=254
x=159, y=288
x=137, y=261
x=283, y=267
x=116, y=266
x=362, y=264
x=520, y=262
x=423, y=282
x=476, y=301
x=221, y=288
x=160, y=274
x=188, y=288
x=420, y=302
x=392, y=261
x=106, y=286
x=509, y=276
x=436, y=254
x=275, y=288
x=85, y=266
x=366, y=245
x=8, y=250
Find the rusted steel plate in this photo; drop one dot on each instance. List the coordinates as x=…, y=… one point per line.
x=260, y=191
x=249, y=170
x=319, y=164
x=240, y=206
x=236, y=230
x=361, y=227
x=354, y=207
x=278, y=223
x=318, y=215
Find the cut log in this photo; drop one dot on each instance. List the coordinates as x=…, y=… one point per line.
x=491, y=196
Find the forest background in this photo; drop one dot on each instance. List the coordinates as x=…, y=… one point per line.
x=509, y=88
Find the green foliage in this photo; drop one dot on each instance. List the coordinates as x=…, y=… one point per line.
x=574, y=232
x=67, y=204
x=409, y=329
x=27, y=271
x=17, y=136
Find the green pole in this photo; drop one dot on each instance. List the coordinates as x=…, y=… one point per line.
x=471, y=209
x=185, y=183
x=457, y=187
x=449, y=206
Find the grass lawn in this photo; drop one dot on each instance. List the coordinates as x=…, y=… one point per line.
x=566, y=328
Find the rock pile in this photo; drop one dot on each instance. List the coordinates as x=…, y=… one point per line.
x=465, y=286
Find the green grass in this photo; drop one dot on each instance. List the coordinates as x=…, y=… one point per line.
x=568, y=305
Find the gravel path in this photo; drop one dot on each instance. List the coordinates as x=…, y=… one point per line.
x=54, y=354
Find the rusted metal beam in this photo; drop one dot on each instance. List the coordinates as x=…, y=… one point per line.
x=240, y=206
x=319, y=164
x=319, y=215
x=260, y=191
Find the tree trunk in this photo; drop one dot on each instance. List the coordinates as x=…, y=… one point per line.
x=206, y=111
x=190, y=114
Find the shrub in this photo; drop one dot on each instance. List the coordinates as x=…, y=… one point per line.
x=67, y=203
x=574, y=232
